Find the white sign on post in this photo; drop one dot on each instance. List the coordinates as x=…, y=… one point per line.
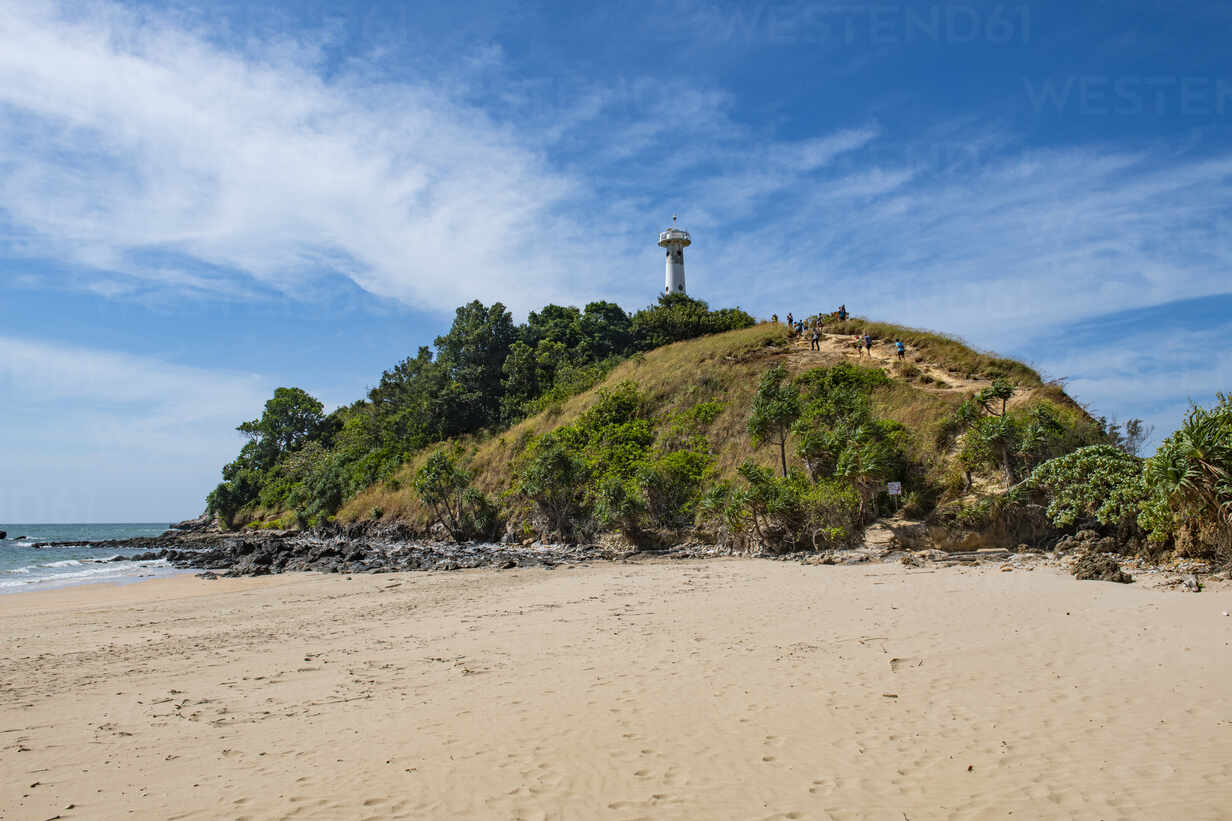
x=895, y=488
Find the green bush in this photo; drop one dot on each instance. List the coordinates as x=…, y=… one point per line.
x=781, y=514
x=671, y=486
x=556, y=480
x=1190, y=484
x=677, y=317
x=1098, y=482
x=444, y=484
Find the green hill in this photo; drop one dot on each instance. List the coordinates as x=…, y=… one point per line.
x=681, y=423
x=722, y=372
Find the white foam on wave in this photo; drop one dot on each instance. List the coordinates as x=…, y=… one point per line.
x=117, y=571
x=64, y=563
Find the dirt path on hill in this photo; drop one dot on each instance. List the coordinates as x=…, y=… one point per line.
x=884, y=357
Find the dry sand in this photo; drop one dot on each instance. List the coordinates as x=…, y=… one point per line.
x=719, y=689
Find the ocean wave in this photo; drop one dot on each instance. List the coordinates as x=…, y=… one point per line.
x=64, y=563
x=117, y=571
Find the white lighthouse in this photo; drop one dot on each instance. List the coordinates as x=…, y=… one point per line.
x=674, y=240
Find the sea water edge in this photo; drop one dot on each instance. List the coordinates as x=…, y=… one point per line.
x=24, y=568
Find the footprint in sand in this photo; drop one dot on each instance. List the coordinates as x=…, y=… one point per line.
x=897, y=664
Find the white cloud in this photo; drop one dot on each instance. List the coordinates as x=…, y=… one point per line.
x=92, y=435
x=122, y=136
x=127, y=137
x=1153, y=374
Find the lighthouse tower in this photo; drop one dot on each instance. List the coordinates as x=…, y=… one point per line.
x=674, y=240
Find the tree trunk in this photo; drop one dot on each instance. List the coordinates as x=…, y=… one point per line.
x=1006, y=465
x=783, y=454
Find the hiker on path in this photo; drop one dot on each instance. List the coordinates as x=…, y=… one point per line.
x=842, y=313
x=790, y=323
x=901, y=348
x=815, y=340
x=868, y=344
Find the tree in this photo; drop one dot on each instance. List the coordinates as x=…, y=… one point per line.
x=998, y=390
x=1130, y=437
x=408, y=413
x=444, y=484
x=520, y=380
x=555, y=479
x=1190, y=477
x=993, y=440
x=471, y=356
x=606, y=331
x=678, y=316
x=555, y=323
x=869, y=459
x=776, y=406
x=290, y=419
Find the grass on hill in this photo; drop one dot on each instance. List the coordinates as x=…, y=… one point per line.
x=726, y=368
x=948, y=352
x=722, y=367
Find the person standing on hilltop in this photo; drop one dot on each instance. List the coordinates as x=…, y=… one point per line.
x=774, y=318
x=868, y=344
x=842, y=313
x=790, y=322
x=901, y=348
x=815, y=340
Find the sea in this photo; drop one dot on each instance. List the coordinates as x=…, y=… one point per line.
x=24, y=567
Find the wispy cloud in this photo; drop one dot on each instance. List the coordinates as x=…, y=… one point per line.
x=1151, y=374
x=128, y=138
x=121, y=135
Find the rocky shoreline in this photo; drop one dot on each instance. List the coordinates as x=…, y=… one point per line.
x=349, y=549
x=392, y=547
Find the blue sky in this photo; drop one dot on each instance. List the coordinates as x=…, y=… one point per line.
x=199, y=203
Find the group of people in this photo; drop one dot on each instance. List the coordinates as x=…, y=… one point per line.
x=814, y=326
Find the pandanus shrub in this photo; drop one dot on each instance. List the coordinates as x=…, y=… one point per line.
x=1190, y=481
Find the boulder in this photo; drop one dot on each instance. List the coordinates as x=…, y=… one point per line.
x=200, y=524
x=1099, y=567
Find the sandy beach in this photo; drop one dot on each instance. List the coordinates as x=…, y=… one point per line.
x=693, y=689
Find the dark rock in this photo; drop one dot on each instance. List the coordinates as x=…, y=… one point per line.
x=1099, y=567
x=208, y=574
x=3, y=535
x=200, y=524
